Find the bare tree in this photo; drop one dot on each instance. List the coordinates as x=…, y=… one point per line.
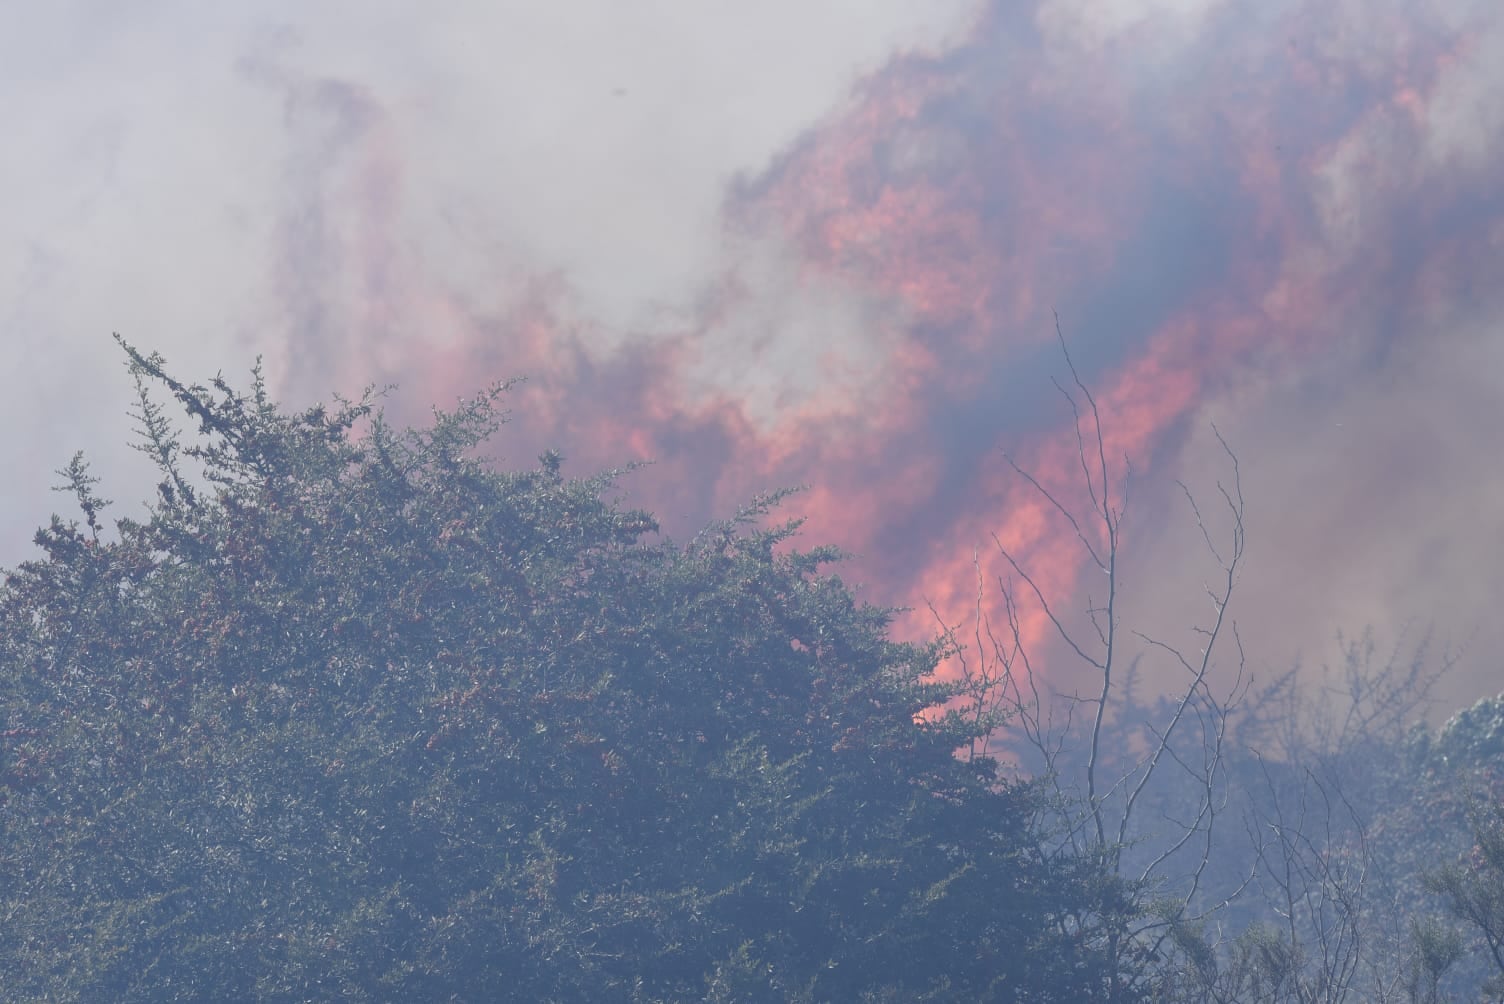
x=1099, y=804
x=1250, y=878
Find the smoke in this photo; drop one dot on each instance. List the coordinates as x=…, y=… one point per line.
x=824, y=245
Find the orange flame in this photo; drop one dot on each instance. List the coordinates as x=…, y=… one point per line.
x=1208, y=208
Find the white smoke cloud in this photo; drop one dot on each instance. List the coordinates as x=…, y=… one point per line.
x=313, y=182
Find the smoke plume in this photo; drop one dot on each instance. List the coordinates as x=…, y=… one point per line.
x=825, y=246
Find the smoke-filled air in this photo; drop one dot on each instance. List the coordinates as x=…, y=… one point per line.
x=822, y=245
x=858, y=500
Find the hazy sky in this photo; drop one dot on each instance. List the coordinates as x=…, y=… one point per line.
x=209, y=180
x=817, y=243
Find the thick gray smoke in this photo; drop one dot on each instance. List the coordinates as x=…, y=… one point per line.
x=778, y=243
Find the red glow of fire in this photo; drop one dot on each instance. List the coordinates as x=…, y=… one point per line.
x=974, y=193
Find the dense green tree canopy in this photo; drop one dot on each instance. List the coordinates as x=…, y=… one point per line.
x=351, y=714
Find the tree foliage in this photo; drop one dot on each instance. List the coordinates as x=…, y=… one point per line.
x=352, y=714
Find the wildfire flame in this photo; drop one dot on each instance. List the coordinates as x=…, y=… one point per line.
x=1217, y=201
